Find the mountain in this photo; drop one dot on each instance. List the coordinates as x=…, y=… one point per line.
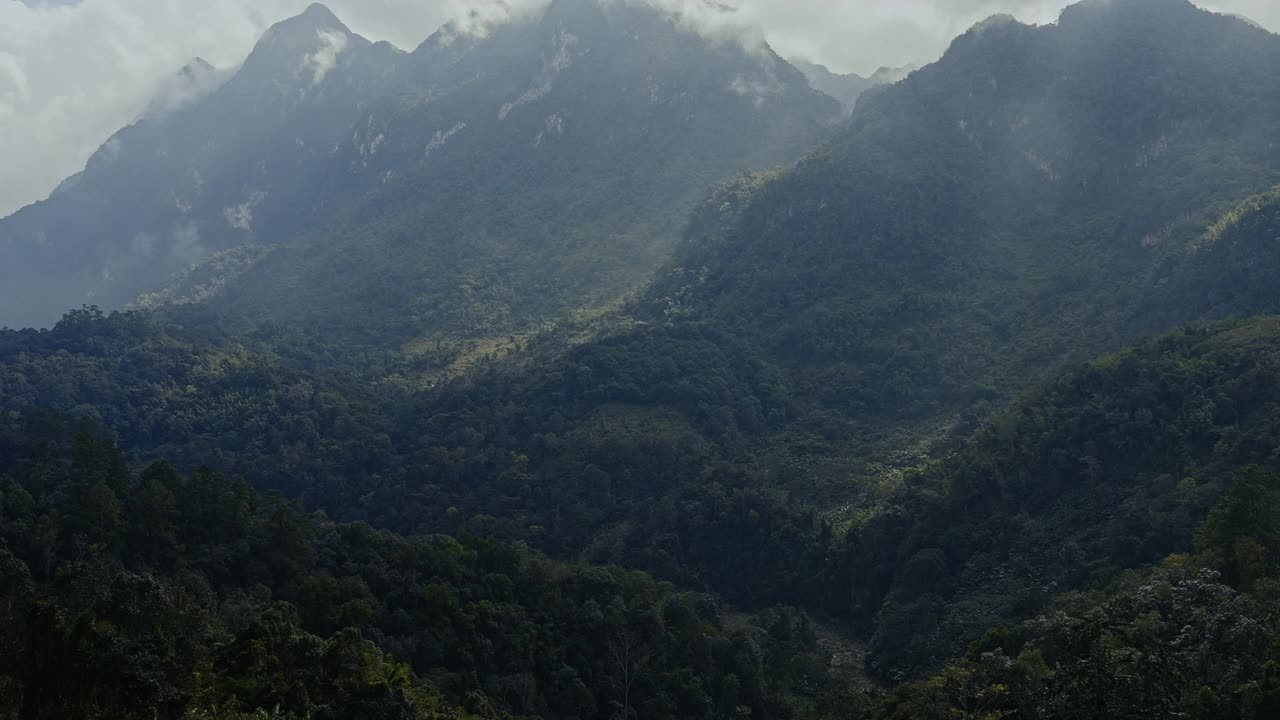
x=822, y=326
x=1022, y=543
x=1111, y=466
x=1039, y=197
x=195, y=175
x=201, y=599
x=1017, y=205
x=1227, y=271
x=546, y=167
x=193, y=83
x=847, y=88
x=907, y=384
x=483, y=182
x=891, y=75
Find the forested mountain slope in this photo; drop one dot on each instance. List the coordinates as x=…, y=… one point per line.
x=1168, y=448
x=1229, y=270
x=553, y=457
x=272, y=405
x=1006, y=209
x=158, y=595
x=1114, y=465
x=637, y=450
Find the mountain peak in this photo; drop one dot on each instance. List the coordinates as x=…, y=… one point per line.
x=313, y=41
x=196, y=69
x=303, y=28
x=573, y=5
x=195, y=81
x=1111, y=10
x=997, y=25
x=320, y=14
x=890, y=75
x=1247, y=21
x=995, y=21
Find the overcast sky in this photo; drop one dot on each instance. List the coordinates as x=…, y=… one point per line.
x=74, y=71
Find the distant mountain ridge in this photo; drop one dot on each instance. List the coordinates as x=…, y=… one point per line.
x=848, y=87
x=321, y=129
x=195, y=175
x=559, y=155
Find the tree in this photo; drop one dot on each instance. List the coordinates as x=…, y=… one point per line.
x=1241, y=536
x=152, y=509
x=630, y=655
x=99, y=515
x=1264, y=699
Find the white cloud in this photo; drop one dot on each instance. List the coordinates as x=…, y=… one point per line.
x=196, y=82
x=15, y=89
x=325, y=58
x=71, y=73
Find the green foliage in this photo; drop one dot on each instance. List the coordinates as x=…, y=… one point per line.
x=270, y=405
x=1172, y=643
x=255, y=608
x=1112, y=466
x=1034, y=197
x=1039, y=196
x=1242, y=533
x=1233, y=221
x=1227, y=272
x=607, y=449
